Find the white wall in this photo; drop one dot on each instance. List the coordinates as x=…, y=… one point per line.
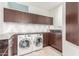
x=19, y=28
x=24, y=28
x=57, y=15
x=1, y=18
x=38, y=11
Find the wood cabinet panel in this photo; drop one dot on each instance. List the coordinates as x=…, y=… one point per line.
x=14, y=45
x=45, y=20
x=72, y=34
x=9, y=15
x=72, y=22
x=73, y=6
x=3, y=47
x=24, y=17
x=46, y=38
x=33, y=18
x=56, y=40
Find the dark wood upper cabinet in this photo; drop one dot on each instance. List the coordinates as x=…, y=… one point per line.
x=24, y=17
x=44, y=20
x=56, y=39
x=9, y=15
x=33, y=18
x=72, y=27
x=16, y=16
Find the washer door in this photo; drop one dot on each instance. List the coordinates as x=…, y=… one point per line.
x=38, y=41
x=24, y=44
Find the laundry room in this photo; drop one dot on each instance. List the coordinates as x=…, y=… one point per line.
x=31, y=28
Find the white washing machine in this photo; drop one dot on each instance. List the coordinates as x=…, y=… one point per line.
x=24, y=44
x=37, y=41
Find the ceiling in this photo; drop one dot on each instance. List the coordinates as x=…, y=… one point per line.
x=43, y=5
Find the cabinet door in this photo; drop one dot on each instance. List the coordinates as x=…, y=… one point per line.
x=3, y=47
x=45, y=20
x=33, y=18
x=39, y=19
x=23, y=17
x=56, y=41
x=72, y=34
x=46, y=37
x=72, y=22
x=9, y=15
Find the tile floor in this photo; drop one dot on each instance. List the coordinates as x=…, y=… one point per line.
x=46, y=51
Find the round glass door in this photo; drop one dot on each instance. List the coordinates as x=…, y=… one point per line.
x=24, y=44
x=38, y=41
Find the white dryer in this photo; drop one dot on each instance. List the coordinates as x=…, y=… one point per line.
x=24, y=44
x=37, y=41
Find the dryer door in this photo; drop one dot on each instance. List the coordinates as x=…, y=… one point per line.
x=24, y=44
x=38, y=41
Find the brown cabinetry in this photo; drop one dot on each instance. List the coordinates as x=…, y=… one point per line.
x=23, y=17
x=53, y=39
x=56, y=39
x=9, y=15
x=72, y=22
x=4, y=47
x=16, y=16
x=14, y=45
x=46, y=38
x=44, y=20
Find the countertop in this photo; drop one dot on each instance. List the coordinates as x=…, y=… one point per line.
x=5, y=36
